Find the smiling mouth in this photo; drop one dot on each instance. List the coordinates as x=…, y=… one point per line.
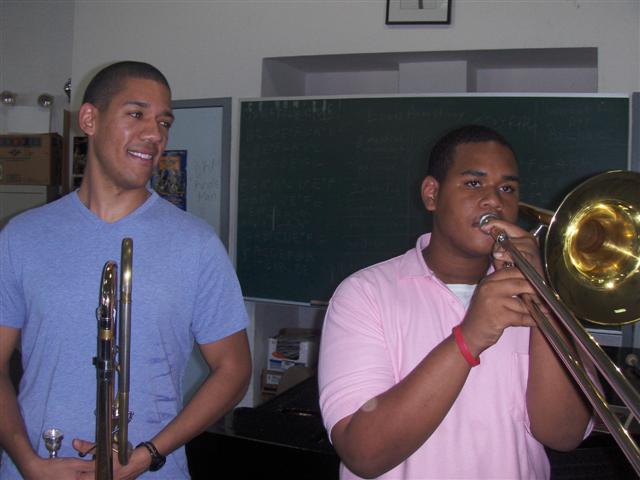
x=143, y=156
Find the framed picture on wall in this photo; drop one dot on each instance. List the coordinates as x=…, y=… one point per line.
x=418, y=11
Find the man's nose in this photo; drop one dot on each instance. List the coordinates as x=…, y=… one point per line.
x=492, y=199
x=152, y=132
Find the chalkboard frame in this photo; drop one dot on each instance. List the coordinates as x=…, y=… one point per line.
x=628, y=163
x=222, y=133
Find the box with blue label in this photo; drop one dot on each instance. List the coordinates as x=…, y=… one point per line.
x=293, y=346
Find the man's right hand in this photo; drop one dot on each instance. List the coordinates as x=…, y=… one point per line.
x=495, y=306
x=63, y=468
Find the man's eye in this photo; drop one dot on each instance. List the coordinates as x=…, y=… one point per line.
x=165, y=124
x=136, y=114
x=508, y=189
x=472, y=183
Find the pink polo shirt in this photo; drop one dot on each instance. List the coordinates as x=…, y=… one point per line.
x=381, y=322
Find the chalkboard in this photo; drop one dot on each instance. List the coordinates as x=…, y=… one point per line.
x=328, y=186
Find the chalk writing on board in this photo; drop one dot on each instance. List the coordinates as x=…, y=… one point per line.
x=329, y=186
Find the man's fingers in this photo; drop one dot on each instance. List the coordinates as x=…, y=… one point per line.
x=83, y=447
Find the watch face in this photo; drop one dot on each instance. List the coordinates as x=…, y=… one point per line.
x=157, y=463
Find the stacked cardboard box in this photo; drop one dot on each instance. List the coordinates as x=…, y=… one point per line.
x=291, y=347
x=30, y=159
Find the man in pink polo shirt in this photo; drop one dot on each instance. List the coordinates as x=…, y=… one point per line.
x=429, y=367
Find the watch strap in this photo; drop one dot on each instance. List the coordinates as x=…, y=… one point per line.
x=157, y=460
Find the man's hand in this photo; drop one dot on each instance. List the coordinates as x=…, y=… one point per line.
x=139, y=462
x=495, y=306
x=520, y=239
x=63, y=468
x=496, y=303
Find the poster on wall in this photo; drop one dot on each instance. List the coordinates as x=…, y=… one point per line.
x=170, y=178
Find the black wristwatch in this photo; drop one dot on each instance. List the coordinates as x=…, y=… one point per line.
x=157, y=460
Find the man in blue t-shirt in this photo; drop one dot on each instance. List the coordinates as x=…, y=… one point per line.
x=184, y=289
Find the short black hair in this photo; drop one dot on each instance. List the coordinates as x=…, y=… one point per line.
x=110, y=80
x=442, y=153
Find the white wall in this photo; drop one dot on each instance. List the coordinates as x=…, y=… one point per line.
x=531, y=79
x=36, y=41
x=216, y=47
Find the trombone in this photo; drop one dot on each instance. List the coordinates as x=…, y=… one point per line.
x=592, y=261
x=108, y=412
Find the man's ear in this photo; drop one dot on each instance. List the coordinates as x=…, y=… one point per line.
x=429, y=192
x=87, y=118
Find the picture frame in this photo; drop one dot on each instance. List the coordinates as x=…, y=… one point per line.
x=408, y=12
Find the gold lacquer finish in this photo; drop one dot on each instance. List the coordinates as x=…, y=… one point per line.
x=105, y=370
x=108, y=411
x=592, y=249
x=601, y=244
x=124, y=344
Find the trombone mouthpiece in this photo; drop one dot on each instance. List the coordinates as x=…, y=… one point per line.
x=484, y=219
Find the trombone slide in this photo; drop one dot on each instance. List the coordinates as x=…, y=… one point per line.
x=111, y=318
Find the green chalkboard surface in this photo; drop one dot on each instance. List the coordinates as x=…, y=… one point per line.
x=329, y=186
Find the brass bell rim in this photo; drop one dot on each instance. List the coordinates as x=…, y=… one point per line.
x=600, y=306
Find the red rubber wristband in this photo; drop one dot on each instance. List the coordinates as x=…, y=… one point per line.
x=464, y=350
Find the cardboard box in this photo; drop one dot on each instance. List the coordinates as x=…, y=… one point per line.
x=270, y=380
x=269, y=384
x=30, y=159
x=274, y=382
x=293, y=346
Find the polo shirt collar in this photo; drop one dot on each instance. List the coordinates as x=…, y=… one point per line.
x=413, y=264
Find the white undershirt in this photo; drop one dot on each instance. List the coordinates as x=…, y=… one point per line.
x=463, y=291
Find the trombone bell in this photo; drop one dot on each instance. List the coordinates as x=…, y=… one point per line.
x=601, y=244
x=592, y=249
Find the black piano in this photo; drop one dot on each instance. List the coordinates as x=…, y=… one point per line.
x=284, y=438
x=281, y=438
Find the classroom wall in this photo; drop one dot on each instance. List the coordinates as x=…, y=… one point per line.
x=215, y=48
x=36, y=39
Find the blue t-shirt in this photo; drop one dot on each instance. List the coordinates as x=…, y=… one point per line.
x=183, y=288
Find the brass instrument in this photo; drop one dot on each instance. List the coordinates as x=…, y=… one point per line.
x=592, y=261
x=109, y=438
